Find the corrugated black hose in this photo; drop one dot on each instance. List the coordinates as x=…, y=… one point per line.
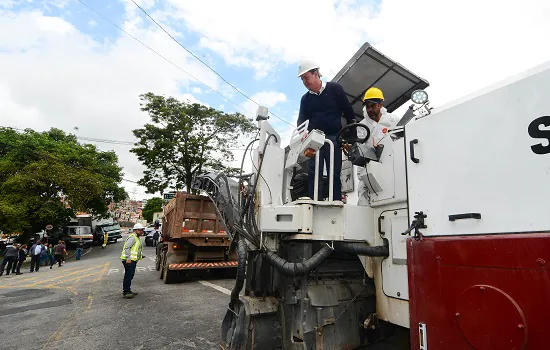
x=241, y=271
x=303, y=268
x=298, y=269
x=363, y=248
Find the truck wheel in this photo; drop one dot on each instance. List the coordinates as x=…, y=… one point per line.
x=169, y=276
x=157, y=262
x=162, y=263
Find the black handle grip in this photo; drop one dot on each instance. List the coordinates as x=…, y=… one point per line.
x=464, y=216
x=380, y=218
x=411, y=149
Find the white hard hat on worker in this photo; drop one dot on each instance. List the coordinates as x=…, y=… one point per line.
x=139, y=226
x=308, y=71
x=305, y=66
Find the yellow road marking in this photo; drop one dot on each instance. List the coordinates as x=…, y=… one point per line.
x=56, y=336
x=8, y=287
x=61, y=276
x=37, y=277
x=74, y=279
x=59, y=333
x=98, y=279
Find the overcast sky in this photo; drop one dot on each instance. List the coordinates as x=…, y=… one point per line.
x=63, y=66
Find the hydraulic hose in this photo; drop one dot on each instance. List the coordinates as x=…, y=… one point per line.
x=298, y=269
x=241, y=270
x=362, y=249
x=247, y=203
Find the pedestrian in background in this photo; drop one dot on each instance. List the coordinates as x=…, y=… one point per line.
x=79, y=249
x=44, y=256
x=131, y=254
x=105, y=240
x=10, y=257
x=36, y=253
x=59, y=252
x=22, y=256
x=51, y=258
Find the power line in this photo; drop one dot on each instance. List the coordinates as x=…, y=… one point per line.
x=161, y=56
x=212, y=69
x=115, y=142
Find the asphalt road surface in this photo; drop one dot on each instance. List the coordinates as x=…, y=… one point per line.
x=80, y=306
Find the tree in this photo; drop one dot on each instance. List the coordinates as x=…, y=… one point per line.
x=185, y=139
x=153, y=205
x=45, y=178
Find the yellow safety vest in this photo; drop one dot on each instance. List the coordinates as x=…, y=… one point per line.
x=135, y=250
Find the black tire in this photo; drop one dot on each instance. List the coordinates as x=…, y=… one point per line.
x=157, y=262
x=162, y=258
x=169, y=276
x=116, y=240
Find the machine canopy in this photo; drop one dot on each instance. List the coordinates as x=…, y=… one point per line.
x=367, y=68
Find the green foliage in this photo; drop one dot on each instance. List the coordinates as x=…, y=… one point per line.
x=185, y=139
x=40, y=170
x=153, y=205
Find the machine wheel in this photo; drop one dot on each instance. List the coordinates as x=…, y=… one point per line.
x=116, y=240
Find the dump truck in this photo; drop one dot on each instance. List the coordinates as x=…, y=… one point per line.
x=450, y=250
x=193, y=238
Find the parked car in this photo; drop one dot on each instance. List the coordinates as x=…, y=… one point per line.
x=149, y=233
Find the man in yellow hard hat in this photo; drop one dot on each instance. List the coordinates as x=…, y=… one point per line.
x=379, y=122
x=323, y=105
x=131, y=254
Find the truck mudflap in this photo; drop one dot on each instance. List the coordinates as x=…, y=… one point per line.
x=252, y=324
x=203, y=265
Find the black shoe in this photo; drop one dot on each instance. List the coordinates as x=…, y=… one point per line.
x=51, y=266
x=128, y=295
x=134, y=293
x=19, y=273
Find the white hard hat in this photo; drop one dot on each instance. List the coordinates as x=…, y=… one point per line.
x=138, y=226
x=305, y=66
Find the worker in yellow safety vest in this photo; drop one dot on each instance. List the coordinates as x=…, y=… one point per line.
x=131, y=254
x=105, y=239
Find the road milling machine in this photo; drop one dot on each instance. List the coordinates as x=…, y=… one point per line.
x=451, y=252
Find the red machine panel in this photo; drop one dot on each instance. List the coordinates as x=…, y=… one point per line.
x=480, y=292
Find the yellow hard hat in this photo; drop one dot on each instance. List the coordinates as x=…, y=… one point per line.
x=373, y=94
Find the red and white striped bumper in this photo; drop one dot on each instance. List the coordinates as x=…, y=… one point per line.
x=203, y=265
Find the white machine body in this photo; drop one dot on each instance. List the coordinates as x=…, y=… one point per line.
x=457, y=165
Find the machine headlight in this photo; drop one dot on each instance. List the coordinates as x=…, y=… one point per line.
x=419, y=96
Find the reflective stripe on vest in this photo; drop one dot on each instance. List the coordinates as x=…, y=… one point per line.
x=135, y=250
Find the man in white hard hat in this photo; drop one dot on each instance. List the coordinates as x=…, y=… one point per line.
x=323, y=105
x=379, y=122
x=131, y=254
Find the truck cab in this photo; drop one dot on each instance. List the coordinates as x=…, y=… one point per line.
x=72, y=234
x=112, y=229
